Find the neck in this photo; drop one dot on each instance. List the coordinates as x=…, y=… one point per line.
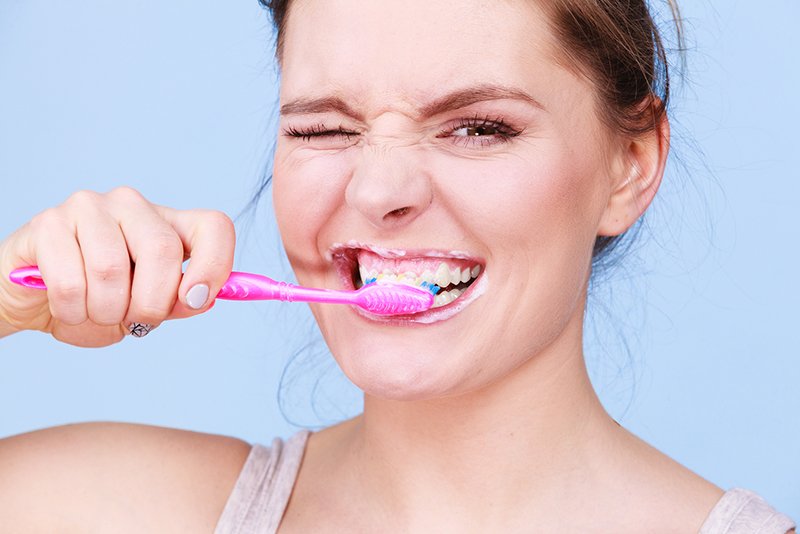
x=524, y=436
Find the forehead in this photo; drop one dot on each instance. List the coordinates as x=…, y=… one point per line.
x=414, y=48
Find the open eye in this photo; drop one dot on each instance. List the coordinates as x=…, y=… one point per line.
x=477, y=131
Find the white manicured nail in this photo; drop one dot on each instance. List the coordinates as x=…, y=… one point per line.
x=197, y=296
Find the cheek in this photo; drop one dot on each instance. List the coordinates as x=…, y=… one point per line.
x=537, y=215
x=307, y=191
x=547, y=197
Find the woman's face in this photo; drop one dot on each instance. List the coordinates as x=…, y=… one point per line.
x=415, y=134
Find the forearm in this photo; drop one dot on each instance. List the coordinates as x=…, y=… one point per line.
x=5, y=325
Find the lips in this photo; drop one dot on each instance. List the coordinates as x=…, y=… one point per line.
x=459, y=276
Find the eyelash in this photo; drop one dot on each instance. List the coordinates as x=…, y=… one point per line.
x=504, y=132
x=318, y=130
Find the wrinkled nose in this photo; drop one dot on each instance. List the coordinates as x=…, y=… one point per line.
x=388, y=187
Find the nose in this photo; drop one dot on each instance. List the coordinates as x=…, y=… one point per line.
x=388, y=187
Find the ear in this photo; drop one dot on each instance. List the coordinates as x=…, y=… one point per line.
x=637, y=179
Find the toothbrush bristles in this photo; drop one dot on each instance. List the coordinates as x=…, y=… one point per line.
x=433, y=288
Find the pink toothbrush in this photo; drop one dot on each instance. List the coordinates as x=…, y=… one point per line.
x=380, y=299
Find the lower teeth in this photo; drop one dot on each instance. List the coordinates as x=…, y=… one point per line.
x=442, y=297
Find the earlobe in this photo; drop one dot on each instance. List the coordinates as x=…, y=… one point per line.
x=639, y=178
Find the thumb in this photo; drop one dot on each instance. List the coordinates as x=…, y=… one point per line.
x=181, y=311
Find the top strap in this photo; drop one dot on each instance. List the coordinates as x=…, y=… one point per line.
x=740, y=511
x=259, y=498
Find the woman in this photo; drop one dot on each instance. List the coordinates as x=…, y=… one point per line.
x=513, y=147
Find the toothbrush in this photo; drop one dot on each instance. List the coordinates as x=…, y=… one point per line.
x=378, y=298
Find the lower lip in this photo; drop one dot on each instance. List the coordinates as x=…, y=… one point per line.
x=433, y=315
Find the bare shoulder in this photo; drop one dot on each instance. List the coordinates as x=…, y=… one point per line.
x=116, y=477
x=667, y=494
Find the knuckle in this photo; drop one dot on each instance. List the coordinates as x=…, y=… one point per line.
x=48, y=219
x=66, y=302
x=220, y=219
x=66, y=291
x=167, y=246
x=108, y=269
x=220, y=222
x=39, y=220
x=83, y=197
x=125, y=193
x=214, y=262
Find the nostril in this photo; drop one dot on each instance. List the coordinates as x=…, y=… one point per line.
x=399, y=212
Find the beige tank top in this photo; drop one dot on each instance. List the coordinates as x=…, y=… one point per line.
x=262, y=492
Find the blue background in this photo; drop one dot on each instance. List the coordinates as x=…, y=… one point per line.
x=693, y=342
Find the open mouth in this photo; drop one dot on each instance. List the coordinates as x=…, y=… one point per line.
x=452, y=275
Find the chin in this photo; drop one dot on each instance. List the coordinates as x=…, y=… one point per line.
x=399, y=374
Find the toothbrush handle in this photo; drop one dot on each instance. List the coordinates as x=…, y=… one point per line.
x=239, y=286
x=248, y=286
x=28, y=277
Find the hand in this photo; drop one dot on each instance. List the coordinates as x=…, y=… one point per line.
x=112, y=260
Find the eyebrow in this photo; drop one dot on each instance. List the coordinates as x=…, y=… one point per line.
x=451, y=101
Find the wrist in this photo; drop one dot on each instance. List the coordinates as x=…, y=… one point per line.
x=6, y=329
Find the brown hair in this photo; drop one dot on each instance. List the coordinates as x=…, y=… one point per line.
x=614, y=43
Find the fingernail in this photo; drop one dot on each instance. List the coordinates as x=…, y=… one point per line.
x=197, y=296
x=140, y=329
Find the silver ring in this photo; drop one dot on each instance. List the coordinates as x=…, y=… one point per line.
x=140, y=329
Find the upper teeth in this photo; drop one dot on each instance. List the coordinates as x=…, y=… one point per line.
x=442, y=277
